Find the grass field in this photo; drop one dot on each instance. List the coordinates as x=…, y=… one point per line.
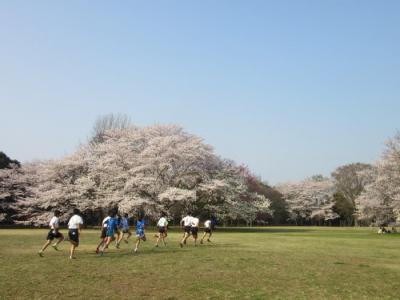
x=264, y=263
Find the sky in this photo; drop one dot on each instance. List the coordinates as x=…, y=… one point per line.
x=288, y=88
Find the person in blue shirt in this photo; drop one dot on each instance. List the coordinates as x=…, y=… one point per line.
x=118, y=233
x=140, y=235
x=124, y=225
x=111, y=228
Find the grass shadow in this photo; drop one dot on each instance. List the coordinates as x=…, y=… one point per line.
x=262, y=230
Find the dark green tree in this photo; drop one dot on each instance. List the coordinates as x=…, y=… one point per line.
x=5, y=161
x=344, y=208
x=279, y=207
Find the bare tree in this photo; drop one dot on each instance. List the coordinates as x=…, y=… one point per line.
x=351, y=179
x=108, y=122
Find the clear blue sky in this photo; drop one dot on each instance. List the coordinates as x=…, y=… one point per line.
x=289, y=88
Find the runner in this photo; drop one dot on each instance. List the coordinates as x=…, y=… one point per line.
x=74, y=231
x=104, y=225
x=207, y=230
x=53, y=233
x=186, y=224
x=118, y=233
x=162, y=229
x=124, y=224
x=140, y=234
x=111, y=228
x=194, y=229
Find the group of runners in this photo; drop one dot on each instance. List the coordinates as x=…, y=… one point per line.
x=116, y=228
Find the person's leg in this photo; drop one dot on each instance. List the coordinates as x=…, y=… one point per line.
x=72, y=250
x=209, y=236
x=106, y=243
x=195, y=238
x=186, y=235
x=158, y=238
x=100, y=244
x=129, y=235
x=164, y=235
x=117, y=238
x=48, y=242
x=59, y=240
x=137, y=244
x=189, y=233
x=120, y=237
x=202, y=238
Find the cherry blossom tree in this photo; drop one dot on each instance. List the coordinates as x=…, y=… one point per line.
x=309, y=200
x=380, y=201
x=155, y=169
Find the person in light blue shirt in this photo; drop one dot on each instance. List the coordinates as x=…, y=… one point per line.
x=124, y=225
x=140, y=234
x=118, y=233
x=111, y=228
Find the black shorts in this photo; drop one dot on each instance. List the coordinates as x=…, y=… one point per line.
x=73, y=235
x=162, y=229
x=207, y=230
x=53, y=235
x=194, y=231
x=187, y=229
x=103, y=232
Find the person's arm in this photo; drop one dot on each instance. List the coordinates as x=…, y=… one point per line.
x=56, y=226
x=80, y=226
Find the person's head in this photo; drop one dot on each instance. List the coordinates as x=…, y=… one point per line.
x=76, y=211
x=57, y=213
x=113, y=213
x=140, y=216
x=189, y=213
x=125, y=215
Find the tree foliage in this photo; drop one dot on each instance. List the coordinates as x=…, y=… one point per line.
x=309, y=201
x=380, y=201
x=157, y=168
x=6, y=162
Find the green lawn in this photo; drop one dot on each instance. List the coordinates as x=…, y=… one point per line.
x=274, y=262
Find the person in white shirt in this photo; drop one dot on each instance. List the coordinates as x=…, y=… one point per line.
x=186, y=224
x=54, y=233
x=74, y=230
x=104, y=225
x=207, y=230
x=194, y=229
x=162, y=225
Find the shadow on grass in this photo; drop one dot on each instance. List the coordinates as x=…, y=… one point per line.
x=262, y=229
x=187, y=250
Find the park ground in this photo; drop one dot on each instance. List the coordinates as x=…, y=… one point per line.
x=257, y=263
